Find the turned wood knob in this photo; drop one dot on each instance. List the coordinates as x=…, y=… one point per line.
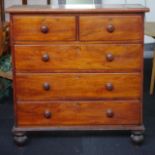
x=46, y=86
x=44, y=29
x=109, y=86
x=45, y=57
x=47, y=114
x=109, y=57
x=110, y=28
x=109, y=113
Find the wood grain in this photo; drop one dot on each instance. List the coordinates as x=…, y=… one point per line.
x=126, y=27
x=78, y=113
x=77, y=86
x=27, y=28
x=78, y=58
x=57, y=9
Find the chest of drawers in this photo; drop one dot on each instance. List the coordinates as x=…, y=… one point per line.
x=77, y=69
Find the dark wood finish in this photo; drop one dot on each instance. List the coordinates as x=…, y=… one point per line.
x=78, y=113
x=2, y=12
x=78, y=69
x=77, y=86
x=137, y=137
x=20, y=138
x=80, y=128
x=80, y=57
x=1, y=38
x=44, y=28
x=4, y=37
x=112, y=27
x=48, y=1
x=24, y=1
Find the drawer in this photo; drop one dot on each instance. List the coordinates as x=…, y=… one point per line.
x=62, y=86
x=68, y=58
x=111, y=28
x=43, y=28
x=79, y=113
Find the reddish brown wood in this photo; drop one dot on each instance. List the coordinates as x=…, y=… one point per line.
x=77, y=69
x=112, y=27
x=112, y=8
x=44, y=28
x=81, y=57
x=78, y=113
x=77, y=86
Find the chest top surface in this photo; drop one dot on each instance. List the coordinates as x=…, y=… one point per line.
x=78, y=8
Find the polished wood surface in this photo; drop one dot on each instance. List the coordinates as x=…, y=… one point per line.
x=78, y=68
x=109, y=8
x=78, y=58
x=44, y=28
x=111, y=27
x=77, y=86
x=78, y=113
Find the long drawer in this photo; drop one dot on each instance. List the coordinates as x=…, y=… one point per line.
x=61, y=86
x=111, y=28
x=71, y=58
x=44, y=28
x=78, y=113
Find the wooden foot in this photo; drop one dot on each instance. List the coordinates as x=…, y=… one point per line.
x=20, y=138
x=137, y=137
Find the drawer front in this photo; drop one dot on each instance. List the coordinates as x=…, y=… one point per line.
x=62, y=86
x=79, y=113
x=111, y=28
x=43, y=28
x=78, y=58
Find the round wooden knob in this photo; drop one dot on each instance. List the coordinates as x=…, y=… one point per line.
x=109, y=57
x=44, y=29
x=109, y=113
x=110, y=28
x=45, y=57
x=47, y=114
x=46, y=86
x=109, y=86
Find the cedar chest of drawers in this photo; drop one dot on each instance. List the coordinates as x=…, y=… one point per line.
x=77, y=69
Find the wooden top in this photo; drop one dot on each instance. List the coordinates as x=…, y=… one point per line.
x=83, y=8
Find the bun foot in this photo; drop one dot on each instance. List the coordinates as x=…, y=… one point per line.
x=137, y=137
x=20, y=138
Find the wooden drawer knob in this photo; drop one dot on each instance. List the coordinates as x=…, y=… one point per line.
x=46, y=86
x=109, y=113
x=47, y=114
x=44, y=29
x=45, y=57
x=110, y=28
x=109, y=57
x=109, y=86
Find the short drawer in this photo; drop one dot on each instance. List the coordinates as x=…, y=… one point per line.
x=43, y=28
x=62, y=86
x=111, y=28
x=79, y=113
x=81, y=58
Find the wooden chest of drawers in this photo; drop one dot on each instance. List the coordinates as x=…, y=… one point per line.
x=77, y=69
